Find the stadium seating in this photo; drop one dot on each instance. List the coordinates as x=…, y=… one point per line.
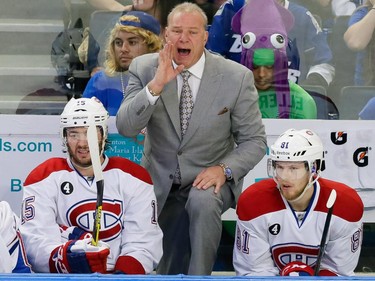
x=352, y=99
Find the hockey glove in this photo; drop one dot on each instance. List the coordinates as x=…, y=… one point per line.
x=73, y=233
x=296, y=268
x=79, y=256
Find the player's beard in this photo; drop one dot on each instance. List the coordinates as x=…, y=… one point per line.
x=290, y=196
x=294, y=191
x=81, y=162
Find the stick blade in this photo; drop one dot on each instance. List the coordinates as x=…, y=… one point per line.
x=332, y=198
x=92, y=139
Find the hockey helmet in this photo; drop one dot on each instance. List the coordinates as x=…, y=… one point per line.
x=83, y=112
x=299, y=146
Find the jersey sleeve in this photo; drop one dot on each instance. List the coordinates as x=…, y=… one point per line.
x=39, y=228
x=221, y=38
x=357, y=16
x=251, y=254
x=13, y=257
x=142, y=236
x=343, y=248
x=345, y=235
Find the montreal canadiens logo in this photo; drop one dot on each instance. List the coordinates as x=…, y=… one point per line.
x=286, y=253
x=82, y=215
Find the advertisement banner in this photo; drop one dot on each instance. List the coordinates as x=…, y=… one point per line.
x=28, y=140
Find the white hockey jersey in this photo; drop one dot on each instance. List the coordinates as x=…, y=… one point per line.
x=12, y=253
x=269, y=234
x=56, y=194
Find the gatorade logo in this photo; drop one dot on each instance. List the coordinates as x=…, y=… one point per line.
x=360, y=157
x=339, y=138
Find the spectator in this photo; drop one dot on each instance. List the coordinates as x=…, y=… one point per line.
x=13, y=257
x=359, y=37
x=282, y=235
x=344, y=7
x=59, y=205
x=327, y=10
x=315, y=55
x=135, y=34
x=95, y=58
x=321, y=9
x=148, y=6
x=208, y=7
x=368, y=111
x=264, y=52
x=197, y=163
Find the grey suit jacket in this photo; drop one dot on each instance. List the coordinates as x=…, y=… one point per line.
x=225, y=125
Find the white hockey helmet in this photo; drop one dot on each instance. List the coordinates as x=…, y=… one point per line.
x=299, y=145
x=81, y=113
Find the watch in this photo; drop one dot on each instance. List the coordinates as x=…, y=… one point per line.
x=154, y=94
x=227, y=171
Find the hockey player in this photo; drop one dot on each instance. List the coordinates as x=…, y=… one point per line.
x=12, y=253
x=60, y=198
x=281, y=220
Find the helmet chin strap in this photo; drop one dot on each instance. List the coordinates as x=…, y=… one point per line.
x=308, y=186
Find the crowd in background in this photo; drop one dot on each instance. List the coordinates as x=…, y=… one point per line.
x=315, y=56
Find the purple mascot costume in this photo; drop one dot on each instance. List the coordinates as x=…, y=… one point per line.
x=263, y=25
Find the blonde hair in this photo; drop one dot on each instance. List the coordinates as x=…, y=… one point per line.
x=153, y=42
x=188, y=7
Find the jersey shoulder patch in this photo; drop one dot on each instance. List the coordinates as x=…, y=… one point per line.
x=46, y=168
x=258, y=199
x=129, y=167
x=348, y=204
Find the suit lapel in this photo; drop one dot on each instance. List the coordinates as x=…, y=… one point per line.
x=169, y=98
x=207, y=92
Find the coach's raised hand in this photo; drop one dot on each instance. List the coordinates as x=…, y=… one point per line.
x=165, y=71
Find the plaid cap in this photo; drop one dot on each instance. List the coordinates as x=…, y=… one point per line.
x=146, y=21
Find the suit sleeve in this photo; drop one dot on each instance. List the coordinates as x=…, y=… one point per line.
x=135, y=110
x=141, y=247
x=248, y=130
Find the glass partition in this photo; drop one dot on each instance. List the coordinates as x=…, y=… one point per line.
x=41, y=59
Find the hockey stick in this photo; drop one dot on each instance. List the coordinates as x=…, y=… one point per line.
x=92, y=139
x=330, y=202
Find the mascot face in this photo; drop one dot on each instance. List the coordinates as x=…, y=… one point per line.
x=263, y=25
